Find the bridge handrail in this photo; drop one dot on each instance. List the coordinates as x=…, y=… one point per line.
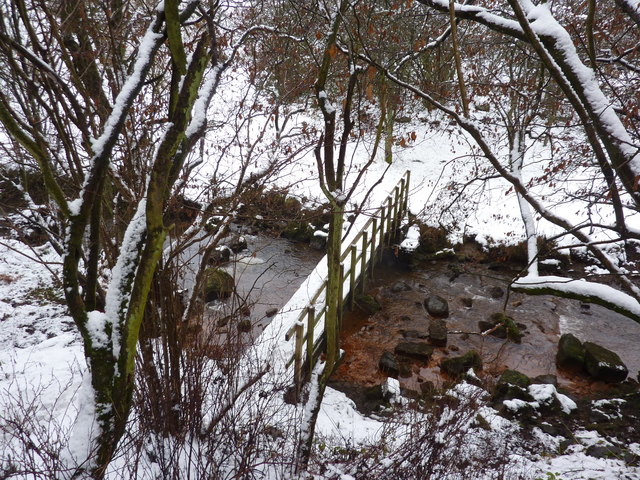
x=360, y=254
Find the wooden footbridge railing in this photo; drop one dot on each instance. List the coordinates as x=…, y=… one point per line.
x=360, y=253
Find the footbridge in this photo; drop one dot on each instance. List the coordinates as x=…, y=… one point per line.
x=300, y=323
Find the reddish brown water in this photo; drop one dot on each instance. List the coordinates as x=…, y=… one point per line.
x=365, y=338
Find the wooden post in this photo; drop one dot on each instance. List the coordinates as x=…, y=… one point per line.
x=352, y=277
x=389, y=215
x=311, y=320
x=372, y=255
x=406, y=192
x=396, y=209
x=363, y=261
x=341, y=297
x=381, y=241
x=297, y=372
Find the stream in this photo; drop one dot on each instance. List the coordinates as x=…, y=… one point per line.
x=470, y=290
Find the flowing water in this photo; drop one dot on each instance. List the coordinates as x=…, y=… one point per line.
x=272, y=269
x=468, y=290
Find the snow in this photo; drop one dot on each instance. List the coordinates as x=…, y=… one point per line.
x=121, y=276
x=581, y=287
x=412, y=239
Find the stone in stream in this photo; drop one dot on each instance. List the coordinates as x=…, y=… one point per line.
x=436, y=306
x=507, y=329
x=513, y=384
x=388, y=364
x=603, y=364
x=417, y=350
x=438, y=332
x=458, y=365
x=570, y=353
x=400, y=286
x=218, y=284
x=495, y=292
x=367, y=303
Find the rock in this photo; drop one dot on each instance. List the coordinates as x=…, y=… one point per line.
x=437, y=306
x=546, y=379
x=388, y=364
x=218, y=284
x=298, y=231
x=458, y=365
x=603, y=364
x=508, y=328
x=318, y=242
x=367, y=303
x=220, y=255
x=513, y=384
x=391, y=390
x=236, y=243
x=438, y=332
x=605, y=451
x=417, y=350
x=400, y=286
x=570, y=353
x=244, y=325
x=467, y=302
x=495, y=292
x=414, y=334
x=427, y=389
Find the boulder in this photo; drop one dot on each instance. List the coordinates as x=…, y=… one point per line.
x=400, y=286
x=603, y=364
x=318, y=242
x=236, y=243
x=367, y=303
x=495, y=292
x=218, y=284
x=570, y=353
x=220, y=255
x=456, y=366
x=507, y=329
x=298, y=231
x=413, y=334
x=244, y=325
x=388, y=364
x=513, y=384
x=416, y=350
x=437, y=306
x=438, y=332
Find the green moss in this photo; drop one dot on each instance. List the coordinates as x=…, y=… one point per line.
x=458, y=365
x=298, y=231
x=570, y=352
x=218, y=284
x=367, y=303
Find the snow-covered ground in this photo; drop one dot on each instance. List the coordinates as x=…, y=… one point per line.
x=41, y=358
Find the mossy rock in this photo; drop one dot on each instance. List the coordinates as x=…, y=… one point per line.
x=367, y=303
x=298, y=231
x=603, y=364
x=456, y=366
x=513, y=384
x=218, y=284
x=570, y=353
x=508, y=328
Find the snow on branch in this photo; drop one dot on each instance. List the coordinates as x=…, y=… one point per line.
x=123, y=273
x=589, y=292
